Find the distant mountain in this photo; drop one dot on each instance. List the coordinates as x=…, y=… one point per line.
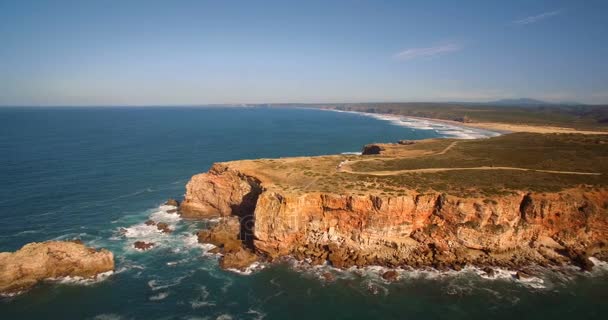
x=528, y=102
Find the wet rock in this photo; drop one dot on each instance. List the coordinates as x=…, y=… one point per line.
x=172, y=202
x=583, y=262
x=142, y=245
x=238, y=259
x=390, y=275
x=163, y=227
x=522, y=275
x=150, y=223
x=225, y=235
x=37, y=261
x=172, y=211
x=328, y=276
x=489, y=271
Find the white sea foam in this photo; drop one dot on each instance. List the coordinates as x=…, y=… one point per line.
x=599, y=264
x=256, y=266
x=446, y=129
x=201, y=300
x=224, y=316
x=159, y=296
x=258, y=315
x=156, y=285
x=81, y=280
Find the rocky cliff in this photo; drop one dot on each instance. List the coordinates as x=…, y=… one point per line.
x=35, y=262
x=416, y=229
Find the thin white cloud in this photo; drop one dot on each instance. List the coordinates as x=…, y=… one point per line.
x=537, y=18
x=414, y=53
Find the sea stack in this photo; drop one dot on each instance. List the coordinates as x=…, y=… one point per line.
x=37, y=261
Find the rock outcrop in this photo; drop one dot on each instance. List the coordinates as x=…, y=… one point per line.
x=371, y=149
x=413, y=229
x=226, y=236
x=37, y=261
x=220, y=192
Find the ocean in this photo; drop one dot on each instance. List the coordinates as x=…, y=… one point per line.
x=89, y=173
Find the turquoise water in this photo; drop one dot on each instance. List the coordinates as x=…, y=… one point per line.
x=88, y=172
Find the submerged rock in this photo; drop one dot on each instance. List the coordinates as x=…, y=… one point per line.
x=390, y=275
x=328, y=276
x=142, y=245
x=34, y=262
x=489, y=271
x=150, y=223
x=163, y=227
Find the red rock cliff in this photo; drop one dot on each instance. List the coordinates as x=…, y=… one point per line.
x=416, y=229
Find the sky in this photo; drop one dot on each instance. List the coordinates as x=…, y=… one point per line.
x=130, y=52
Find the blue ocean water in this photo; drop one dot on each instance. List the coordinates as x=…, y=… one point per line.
x=89, y=173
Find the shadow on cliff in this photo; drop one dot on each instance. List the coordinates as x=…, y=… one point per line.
x=244, y=210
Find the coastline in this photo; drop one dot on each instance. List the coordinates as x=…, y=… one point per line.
x=493, y=127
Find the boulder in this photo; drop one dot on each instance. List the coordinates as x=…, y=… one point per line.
x=37, y=261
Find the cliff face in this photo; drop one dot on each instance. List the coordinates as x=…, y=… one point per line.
x=35, y=262
x=220, y=192
x=414, y=229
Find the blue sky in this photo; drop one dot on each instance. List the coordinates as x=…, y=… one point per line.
x=206, y=52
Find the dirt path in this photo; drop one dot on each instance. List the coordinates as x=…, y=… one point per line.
x=432, y=170
x=447, y=148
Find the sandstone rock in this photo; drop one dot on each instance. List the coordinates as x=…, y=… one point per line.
x=238, y=259
x=390, y=275
x=34, y=262
x=142, y=245
x=220, y=192
x=172, y=202
x=163, y=227
x=225, y=235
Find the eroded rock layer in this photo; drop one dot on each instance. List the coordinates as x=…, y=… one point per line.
x=413, y=229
